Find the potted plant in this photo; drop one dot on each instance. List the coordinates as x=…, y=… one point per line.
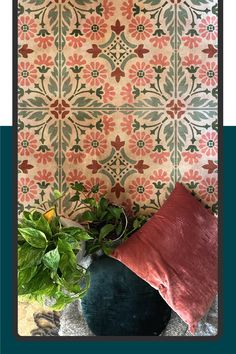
x=47, y=264
x=106, y=223
x=49, y=246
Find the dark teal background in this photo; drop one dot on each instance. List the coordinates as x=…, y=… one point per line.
x=225, y=343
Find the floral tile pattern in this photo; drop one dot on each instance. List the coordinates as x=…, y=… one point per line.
x=120, y=93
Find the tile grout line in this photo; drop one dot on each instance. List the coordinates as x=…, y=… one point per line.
x=175, y=94
x=59, y=121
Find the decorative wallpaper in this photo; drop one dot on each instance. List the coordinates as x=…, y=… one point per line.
x=119, y=93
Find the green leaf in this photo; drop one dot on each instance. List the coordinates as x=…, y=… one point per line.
x=119, y=229
x=61, y=301
x=29, y=256
x=41, y=283
x=88, y=216
x=77, y=233
x=116, y=212
x=43, y=225
x=64, y=246
x=55, y=225
x=68, y=263
x=25, y=275
x=107, y=250
x=51, y=259
x=75, y=245
x=26, y=215
x=34, y=237
x=105, y=230
x=35, y=215
x=90, y=201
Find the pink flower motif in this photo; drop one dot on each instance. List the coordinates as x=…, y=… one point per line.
x=160, y=157
x=140, y=28
x=27, y=74
x=75, y=41
x=208, y=28
x=95, y=74
x=140, y=73
x=75, y=176
x=140, y=143
x=109, y=124
x=75, y=60
x=95, y=143
x=27, y=189
x=191, y=60
x=95, y=28
x=191, y=42
x=160, y=175
x=126, y=93
x=27, y=28
x=126, y=125
x=140, y=189
x=44, y=157
x=109, y=93
x=126, y=9
x=92, y=182
x=75, y=157
x=45, y=176
x=208, y=73
x=160, y=42
x=159, y=60
x=44, y=41
x=208, y=190
x=208, y=144
x=27, y=143
x=109, y=9
x=192, y=175
x=44, y=59
x=191, y=157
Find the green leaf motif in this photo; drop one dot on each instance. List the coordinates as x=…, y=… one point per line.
x=84, y=2
x=151, y=2
x=38, y=102
x=198, y=102
x=35, y=238
x=200, y=2
x=182, y=134
x=52, y=86
x=36, y=2
x=67, y=86
x=51, y=259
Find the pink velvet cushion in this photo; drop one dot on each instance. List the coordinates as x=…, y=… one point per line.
x=176, y=252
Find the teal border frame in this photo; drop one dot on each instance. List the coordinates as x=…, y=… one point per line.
x=11, y=343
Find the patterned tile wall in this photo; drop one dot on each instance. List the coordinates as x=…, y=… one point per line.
x=117, y=92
